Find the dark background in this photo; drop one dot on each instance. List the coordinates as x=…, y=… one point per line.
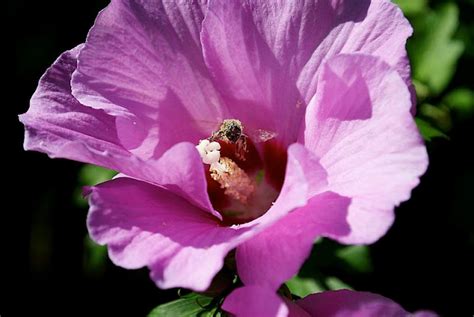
x=425, y=261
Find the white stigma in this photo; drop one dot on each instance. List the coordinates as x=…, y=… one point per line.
x=209, y=151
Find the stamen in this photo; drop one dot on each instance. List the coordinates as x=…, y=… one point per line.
x=233, y=179
x=237, y=184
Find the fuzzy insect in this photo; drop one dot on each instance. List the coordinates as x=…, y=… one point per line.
x=232, y=131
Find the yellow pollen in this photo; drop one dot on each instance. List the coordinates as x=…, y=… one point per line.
x=233, y=179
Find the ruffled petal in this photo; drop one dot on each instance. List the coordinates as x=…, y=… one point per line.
x=359, y=124
x=142, y=62
x=180, y=170
x=58, y=125
x=372, y=27
x=145, y=225
x=277, y=253
x=255, y=301
x=266, y=56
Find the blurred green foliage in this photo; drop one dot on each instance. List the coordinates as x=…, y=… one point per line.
x=433, y=50
x=95, y=256
x=460, y=101
x=412, y=7
x=304, y=286
x=357, y=258
x=428, y=131
x=438, y=43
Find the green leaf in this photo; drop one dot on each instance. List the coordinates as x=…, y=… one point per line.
x=190, y=305
x=461, y=102
x=428, y=131
x=412, y=7
x=334, y=283
x=215, y=312
x=303, y=286
x=433, y=51
x=357, y=258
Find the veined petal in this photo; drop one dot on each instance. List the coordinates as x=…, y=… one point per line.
x=254, y=81
x=267, y=55
x=142, y=62
x=277, y=253
x=58, y=125
x=180, y=170
x=147, y=225
x=359, y=124
x=372, y=27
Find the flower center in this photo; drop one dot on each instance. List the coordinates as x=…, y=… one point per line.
x=241, y=185
x=236, y=183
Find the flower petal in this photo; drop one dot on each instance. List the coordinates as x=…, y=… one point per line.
x=142, y=62
x=373, y=27
x=180, y=170
x=237, y=40
x=359, y=124
x=277, y=253
x=255, y=301
x=267, y=55
x=58, y=125
x=351, y=304
x=145, y=225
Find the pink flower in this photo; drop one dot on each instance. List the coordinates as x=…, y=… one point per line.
x=321, y=89
x=260, y=301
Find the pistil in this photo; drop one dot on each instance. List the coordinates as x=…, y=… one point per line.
x=234, y=180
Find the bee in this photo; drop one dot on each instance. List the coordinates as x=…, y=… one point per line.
x=232, y=131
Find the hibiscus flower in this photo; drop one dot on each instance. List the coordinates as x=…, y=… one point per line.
x=254, y=126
